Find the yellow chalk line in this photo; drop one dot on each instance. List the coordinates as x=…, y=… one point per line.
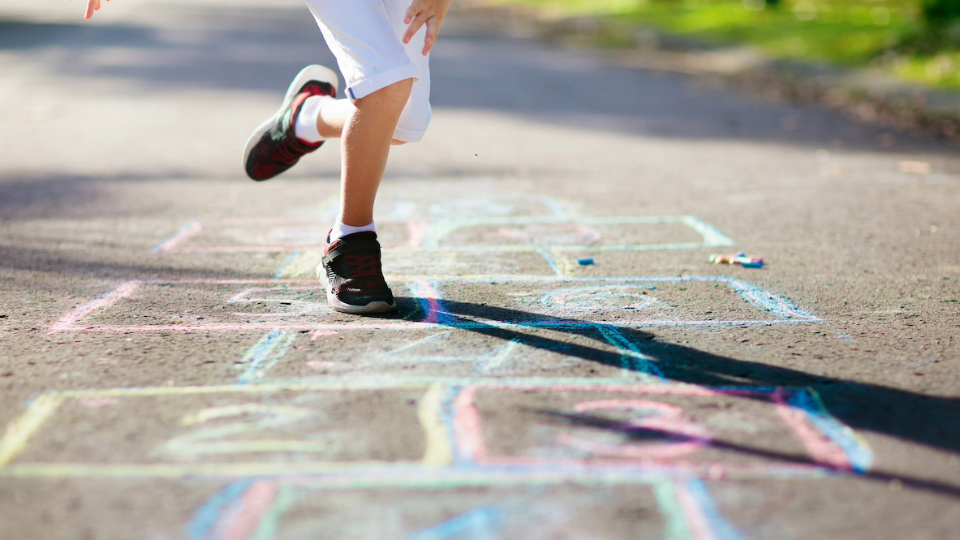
x=438, y=453
x=20, y=430
x=81, y=470
x=357, y=383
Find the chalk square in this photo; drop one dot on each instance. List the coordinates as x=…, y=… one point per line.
x=471, y=303
x=227, y=305
x=527, y=512
x=629, y=302
x=445, y=264
x=488, y=233
x=272, y=235
x=572, y=233
x=697, y=429
x=586, y=353
x=439, y=205
x=223, y=426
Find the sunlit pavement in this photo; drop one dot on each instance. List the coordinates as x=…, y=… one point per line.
x=565, y=363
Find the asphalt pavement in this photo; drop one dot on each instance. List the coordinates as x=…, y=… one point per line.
x=566, y=362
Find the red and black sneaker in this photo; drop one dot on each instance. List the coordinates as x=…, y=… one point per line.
x=274, y=147
x=351, y=268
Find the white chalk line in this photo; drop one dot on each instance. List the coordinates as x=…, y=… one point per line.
x=264, y=355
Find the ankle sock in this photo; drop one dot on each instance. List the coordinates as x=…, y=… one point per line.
x=340, y=230
x=306, y=124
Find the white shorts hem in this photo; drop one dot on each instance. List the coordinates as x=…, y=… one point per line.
x=364, y=87
x=408, y=136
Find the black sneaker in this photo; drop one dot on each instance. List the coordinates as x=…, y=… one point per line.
x=274, y=147
x=351, y=269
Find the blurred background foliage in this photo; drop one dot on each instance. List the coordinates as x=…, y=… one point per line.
x=913, y=40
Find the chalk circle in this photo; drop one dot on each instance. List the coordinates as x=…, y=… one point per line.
x=596, y=299
x=556, y=234
x=653, y=419
x=283, y=301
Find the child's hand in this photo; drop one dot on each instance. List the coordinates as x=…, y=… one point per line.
x=92, y=5
x=429, y=12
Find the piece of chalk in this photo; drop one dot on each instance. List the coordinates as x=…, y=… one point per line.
x=585, y=262
x=752, y=264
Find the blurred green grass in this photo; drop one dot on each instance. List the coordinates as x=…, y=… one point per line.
x=890, y=34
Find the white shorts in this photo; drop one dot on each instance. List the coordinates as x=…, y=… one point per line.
x=366, y=37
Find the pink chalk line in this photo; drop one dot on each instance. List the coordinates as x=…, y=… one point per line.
x=262, y=221
x=303, y=282
x=97, y=402
x=669, y=420
x=242, y=521
x=429, y=297
x=279, y=248
x=467, y=427
x=819, y=446
x=194, y=227
x=69, y=319
x=244, y=327
x=418, y=232
x=695, y=517
x=317, y=334
x=190, y=228
x=321, y=365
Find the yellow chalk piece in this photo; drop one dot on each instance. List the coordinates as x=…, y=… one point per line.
x=439, y=453
x=20, y=430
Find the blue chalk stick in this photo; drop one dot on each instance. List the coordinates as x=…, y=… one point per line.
x=585, y=262
x=752, y=264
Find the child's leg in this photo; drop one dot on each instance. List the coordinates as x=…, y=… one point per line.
x=380, y=77
x=364, y=35
x=366, y=144
x=332, y=118
x=367, y=127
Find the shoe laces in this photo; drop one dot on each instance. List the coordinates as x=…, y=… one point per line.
x=284, y=153
x=364, y=266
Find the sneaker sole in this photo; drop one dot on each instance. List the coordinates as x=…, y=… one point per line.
x=309, y=73
x=337, y=305
x=369, y=309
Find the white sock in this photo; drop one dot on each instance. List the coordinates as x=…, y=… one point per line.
x=340, y=230
x=306, y=125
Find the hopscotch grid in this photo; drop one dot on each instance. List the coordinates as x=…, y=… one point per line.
x=451, y=395
x=437, y=317
x=537, y=474
x=350, y=475
x=431, y=233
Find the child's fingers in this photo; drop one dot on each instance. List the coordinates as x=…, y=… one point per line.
x=415, y=26
x=411, y=12
x=92, y=5
x=433, y=29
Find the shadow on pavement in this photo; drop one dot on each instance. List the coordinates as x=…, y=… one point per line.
x=927, y=420
x=260, y=49
x=235, y=49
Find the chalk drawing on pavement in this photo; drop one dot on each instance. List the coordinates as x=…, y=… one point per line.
x=442, y=431
x=289, y=429
x=464, y=234
x=282, y=508
x=250, y=305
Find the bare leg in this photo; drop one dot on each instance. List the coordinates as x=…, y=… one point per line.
x=367, y=128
